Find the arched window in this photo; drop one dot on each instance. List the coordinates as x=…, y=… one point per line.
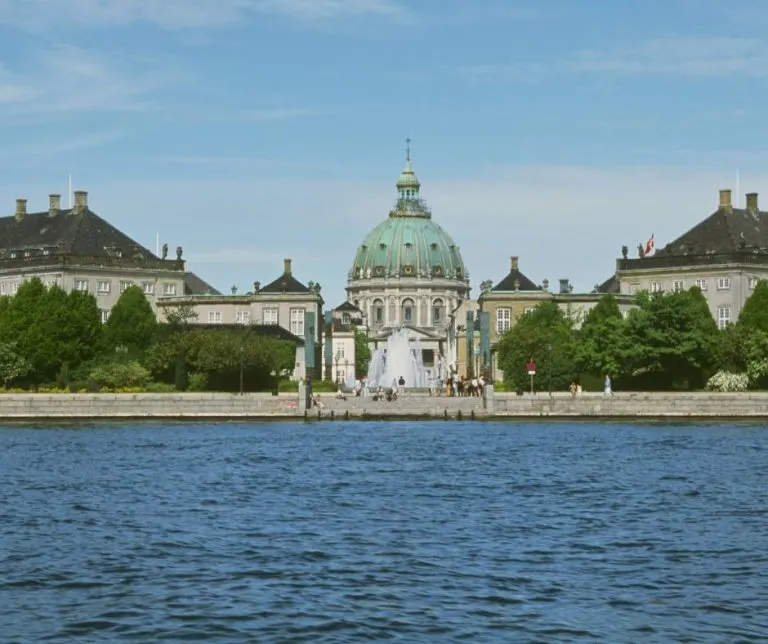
x=378, y=312
x=409, y=312
x=438, y=312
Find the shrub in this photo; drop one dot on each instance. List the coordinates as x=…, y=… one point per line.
x=117, y=375
x=159, y=388
x=726, y=381
x=197, y=381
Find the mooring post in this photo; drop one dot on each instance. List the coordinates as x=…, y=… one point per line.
x=331, y=414
x=472, y=414
x=446, y=414
x=346, y=415
x=458, y=414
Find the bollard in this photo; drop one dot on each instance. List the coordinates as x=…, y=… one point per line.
x=306, y=413
x=446, y=414
x=331, y=414
x=472, y=415
x=346, y=415
x=458, y=414
x=318, y=414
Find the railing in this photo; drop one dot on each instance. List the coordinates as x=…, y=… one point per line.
x=674, y=261
x=62, y=259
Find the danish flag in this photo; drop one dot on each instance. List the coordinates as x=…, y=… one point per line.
x=649, y=246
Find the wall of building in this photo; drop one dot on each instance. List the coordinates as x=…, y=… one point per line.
x=285, y=310
x=725, y=301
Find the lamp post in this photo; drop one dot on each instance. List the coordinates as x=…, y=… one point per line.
x=338, y=357
x=346, y=371
x=550, y=370
x=242, y=354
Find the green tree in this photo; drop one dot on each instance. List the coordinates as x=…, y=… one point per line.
x=27, y=322
x=12, y=365
x=362, y=353
x=600, y=344
x=672, y=341
x=132, y=323
x=545, y=335
x=754, y=313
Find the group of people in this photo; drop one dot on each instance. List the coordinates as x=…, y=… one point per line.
x=461, y=386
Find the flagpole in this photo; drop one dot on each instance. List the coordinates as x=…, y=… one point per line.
x=70, y=191
x=738, y=188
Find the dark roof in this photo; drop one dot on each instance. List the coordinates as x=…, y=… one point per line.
x=83, y=233
x=508, y=283
x=269, y=330
x=347, y=306
x=194, y=285
x=727, y=230
x=286, y=283
x=611, y=285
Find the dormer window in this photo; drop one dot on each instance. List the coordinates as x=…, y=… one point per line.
x=27, y=253
x=433, y=246
x=13, y=255
x=408, y=245
x=382, y=246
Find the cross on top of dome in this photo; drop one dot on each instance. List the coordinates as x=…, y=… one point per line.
x=408, y=183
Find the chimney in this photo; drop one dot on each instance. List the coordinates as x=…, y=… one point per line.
x=725, y=200
x=287, y=266
x=21, y=209
x=752, y=202
x=564, y=286
x=54, y=205
x=514, y=262
x=81, y=201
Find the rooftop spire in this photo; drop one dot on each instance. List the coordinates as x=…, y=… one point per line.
x=408, y=150
x=407, y=183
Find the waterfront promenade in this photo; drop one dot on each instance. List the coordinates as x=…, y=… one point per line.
x=647, y=405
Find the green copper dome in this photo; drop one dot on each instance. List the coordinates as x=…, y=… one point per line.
x=408, y=243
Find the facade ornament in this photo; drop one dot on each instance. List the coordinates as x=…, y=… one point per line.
x=624, y=251
x=179, y=252
x=165, y=251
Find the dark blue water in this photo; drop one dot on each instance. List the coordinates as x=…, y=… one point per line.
x=412, y=532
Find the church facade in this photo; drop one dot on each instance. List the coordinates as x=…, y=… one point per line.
x=408, y=273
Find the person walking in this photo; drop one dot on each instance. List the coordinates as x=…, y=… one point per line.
x=608, y=390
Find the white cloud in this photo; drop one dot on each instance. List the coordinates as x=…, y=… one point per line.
x=179, y=14
x=680, y=56
x=66, y=78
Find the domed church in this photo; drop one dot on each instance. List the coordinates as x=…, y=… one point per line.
x=408, y=272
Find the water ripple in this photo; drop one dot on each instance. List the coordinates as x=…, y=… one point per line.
x=479, y=532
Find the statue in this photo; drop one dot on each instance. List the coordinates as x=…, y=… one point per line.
x=368, y=272
x=641, y=250
x=486, y=286
x=179, y=251
x=234, y=290
x=256, y=287
x=165, y=251
x=624, y=252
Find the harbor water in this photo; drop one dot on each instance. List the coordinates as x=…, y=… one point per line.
x=400, y=531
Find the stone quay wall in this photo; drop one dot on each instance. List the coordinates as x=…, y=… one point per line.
x=158, y=406
x=649, y=405
x=623, y=405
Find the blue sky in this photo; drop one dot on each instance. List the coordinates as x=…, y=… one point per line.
x=251, y=130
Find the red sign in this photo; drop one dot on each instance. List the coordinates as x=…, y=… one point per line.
x=531, y=368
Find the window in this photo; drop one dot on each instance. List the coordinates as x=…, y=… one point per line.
x=678, y=285
x=214, y=317
x=103, y=286
x=104, y=315
x=723, y=283
x=345, y=319
x=124, y=285
x=340, y=352
x=378, y=312
x=632, y=289
x=723, y=316
x=148, y=288
x=46, y=251
x=81, y=285
x=169, y=289
x=503, y=317
x=3, y=288
x=15, y=287
x=529, y=309
x=656, y=287
x=243, y=316
x=27, y=253
x=702, y=284
x=753, y=282
x=297, y=322
x=437, y=312
x=270, y=316
x=408, y=311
